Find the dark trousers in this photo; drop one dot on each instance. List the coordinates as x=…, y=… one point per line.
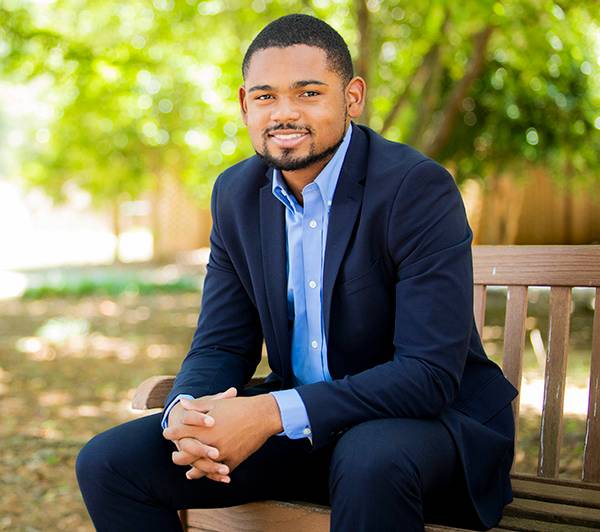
x=382, y=475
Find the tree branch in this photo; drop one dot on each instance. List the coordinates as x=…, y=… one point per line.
x=460, y=91
x=421, y=77
x=417, y=78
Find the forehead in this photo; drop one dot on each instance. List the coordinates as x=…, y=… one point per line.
x=283, y=66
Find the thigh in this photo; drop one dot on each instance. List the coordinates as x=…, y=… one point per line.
x=137, y=453
x=397, y=449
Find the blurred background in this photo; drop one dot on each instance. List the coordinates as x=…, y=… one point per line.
x=115, y=119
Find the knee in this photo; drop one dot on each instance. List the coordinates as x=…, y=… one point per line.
x=93, y=461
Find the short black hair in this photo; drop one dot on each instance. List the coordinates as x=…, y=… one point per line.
x=303, y=29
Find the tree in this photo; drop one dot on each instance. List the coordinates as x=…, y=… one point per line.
x=142, y=90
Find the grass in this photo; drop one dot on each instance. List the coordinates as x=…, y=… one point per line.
x=111, y=281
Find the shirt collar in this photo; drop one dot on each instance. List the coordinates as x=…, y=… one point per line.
x=326, y=180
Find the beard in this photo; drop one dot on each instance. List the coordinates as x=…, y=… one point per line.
x=287, y=162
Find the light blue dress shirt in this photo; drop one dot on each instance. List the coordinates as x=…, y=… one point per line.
x=306, y=234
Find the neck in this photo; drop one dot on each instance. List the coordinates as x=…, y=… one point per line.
x=296, y=180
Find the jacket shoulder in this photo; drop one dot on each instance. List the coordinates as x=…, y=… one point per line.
x=392, y=162
x=245, y=176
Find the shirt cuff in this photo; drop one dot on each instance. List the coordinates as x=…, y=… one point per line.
x=294, y=417
x=165, y=419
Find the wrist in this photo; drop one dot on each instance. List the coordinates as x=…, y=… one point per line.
x=269, y=412
x=173, y=414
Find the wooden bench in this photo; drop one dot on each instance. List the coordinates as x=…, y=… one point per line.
x=543, y=502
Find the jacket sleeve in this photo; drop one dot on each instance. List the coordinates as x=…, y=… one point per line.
x=429, y=241
x=226, y=347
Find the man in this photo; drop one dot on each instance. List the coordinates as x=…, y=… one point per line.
x=350, y=255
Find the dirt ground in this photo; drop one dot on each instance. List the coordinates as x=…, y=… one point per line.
x=68, y=369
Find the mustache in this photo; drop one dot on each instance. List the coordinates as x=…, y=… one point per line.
x=294, y=127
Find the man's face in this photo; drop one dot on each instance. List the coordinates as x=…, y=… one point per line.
x=295, y=106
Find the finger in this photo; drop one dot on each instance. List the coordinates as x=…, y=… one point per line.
x=182, y=458
x=198, y=449
x=201, y=404
x=219, y=478
x=205, y=403
x=193, y=417
x=193, y=474
x=180, y=431
x=208, y=467
x=227, y=394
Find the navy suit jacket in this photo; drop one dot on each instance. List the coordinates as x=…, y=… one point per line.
x=397, y=304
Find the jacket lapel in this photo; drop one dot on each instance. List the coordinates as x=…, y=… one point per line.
x=345, y=209
x=272, y=236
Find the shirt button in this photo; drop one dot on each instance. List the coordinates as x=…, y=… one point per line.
x=329, y=202
x=306, y=431
x=312, y=224
x=312, y=284
x=314, y=344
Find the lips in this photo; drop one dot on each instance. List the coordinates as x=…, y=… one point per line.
x=288, y=138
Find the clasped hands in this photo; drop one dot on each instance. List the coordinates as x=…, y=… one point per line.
x=215, y=433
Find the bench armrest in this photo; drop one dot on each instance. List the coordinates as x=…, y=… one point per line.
x=152, y=392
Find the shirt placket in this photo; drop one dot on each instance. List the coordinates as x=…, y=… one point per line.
x=312, y=224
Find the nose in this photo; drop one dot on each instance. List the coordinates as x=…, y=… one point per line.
x=284, y=111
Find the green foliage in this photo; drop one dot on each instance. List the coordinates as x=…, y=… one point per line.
x=110, y=283
x=144, y=89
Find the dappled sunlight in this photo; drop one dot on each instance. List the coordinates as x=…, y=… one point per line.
x=95, y=345
x=160, y=351
x=55, y=398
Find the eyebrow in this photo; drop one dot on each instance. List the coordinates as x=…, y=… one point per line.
x=295, y=85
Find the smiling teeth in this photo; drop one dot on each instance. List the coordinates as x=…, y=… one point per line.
x=289, y=136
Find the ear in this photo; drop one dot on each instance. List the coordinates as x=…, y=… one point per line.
x=243, y=106
x=356, y=92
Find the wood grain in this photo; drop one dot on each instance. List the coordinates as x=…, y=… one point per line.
x=554, y=513
x=267, y=516
x=591, y=453
x=576, y=495
x=533, y=525
x=152, y=392
x=537, y=265
x=554, y=383
x=514, y=341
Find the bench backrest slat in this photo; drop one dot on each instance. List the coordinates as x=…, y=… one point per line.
x=514, y=339
x=561, y=268
x=554, y=382
x=479, y=297
x=591, y=460
x=537, y=265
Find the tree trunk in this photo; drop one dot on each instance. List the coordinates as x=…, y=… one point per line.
x=460, y=91
x=364, y=50
x=156, y=219
x=116, y=228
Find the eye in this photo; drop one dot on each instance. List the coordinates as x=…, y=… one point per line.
x=310, y=93
x=263, y=97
